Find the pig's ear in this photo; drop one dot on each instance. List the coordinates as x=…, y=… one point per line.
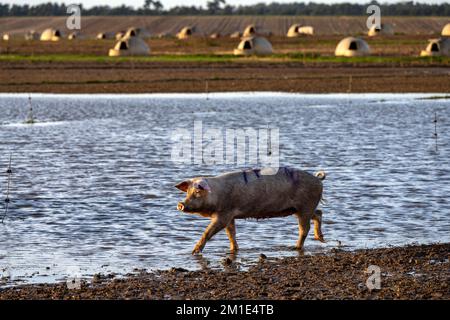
x=202, y=185
x=183, y=186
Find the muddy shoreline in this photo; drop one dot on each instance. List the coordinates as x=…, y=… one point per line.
x=301, y=65
x=166, y=77
x=411, y=272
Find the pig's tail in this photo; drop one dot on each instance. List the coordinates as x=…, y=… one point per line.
x=321, y=175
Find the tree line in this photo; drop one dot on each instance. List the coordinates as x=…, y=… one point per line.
x=220, y=7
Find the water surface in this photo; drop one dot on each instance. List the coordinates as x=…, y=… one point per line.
x=92, y=185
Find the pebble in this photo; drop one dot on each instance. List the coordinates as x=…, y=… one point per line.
x=227, y=261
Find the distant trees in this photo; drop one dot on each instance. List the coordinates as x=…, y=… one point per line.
x=220, y=7
x=214, y=6
x=153, y=6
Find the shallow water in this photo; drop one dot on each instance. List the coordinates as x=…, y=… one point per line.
x=92, y=186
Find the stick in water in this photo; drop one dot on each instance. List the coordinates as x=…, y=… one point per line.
x=435, y=130
x=9, y=172
x=30, y=118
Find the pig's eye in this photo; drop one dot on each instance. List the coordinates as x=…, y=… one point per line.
x=197, y=193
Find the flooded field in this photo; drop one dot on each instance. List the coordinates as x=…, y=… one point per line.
x=92, y=184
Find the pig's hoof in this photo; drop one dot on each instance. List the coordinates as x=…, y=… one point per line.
x=320, y=238
x=197, y=250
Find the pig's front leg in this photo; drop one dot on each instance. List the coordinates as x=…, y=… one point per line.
x=215, y=226
x=231, y=233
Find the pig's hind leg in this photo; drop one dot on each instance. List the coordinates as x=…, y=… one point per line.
x=231, y=233
x=317, y=219
x=304, y=225
x=215, y=226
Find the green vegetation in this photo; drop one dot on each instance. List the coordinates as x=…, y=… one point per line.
x=228, y=58
x=368, y=59
x=435, y=98
x=29, y=121
x=106, y=59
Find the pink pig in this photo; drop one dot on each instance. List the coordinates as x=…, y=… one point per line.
x=254, y=194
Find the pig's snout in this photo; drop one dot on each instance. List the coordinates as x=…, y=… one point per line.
x=180, y=206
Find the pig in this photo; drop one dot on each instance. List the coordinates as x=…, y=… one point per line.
x=257, y=193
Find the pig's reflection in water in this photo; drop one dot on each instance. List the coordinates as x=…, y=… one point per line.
x=231, y=263
x=202, y=262
x=228, y=262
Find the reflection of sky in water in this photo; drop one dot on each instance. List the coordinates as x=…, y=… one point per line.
x=93, y=181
